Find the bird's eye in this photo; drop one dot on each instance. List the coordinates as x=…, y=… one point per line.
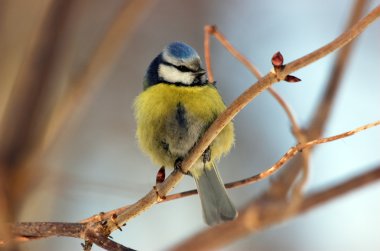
x=183, y=68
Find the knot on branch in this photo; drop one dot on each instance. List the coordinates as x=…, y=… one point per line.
x=278, y=67
x=96, y=230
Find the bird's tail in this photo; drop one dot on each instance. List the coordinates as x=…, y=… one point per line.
x=217, y=206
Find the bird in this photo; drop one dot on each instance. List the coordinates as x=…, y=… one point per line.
x=175, y=108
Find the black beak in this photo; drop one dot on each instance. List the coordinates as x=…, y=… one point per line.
x=200, y=78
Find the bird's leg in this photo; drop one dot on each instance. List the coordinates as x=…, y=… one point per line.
x=178, y=166
x=206, y=156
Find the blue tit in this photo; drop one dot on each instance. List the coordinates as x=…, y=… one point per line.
x=177, y=106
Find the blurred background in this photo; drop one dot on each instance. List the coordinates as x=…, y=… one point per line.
x=69, y=73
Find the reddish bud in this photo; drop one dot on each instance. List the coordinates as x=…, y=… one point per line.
x=277, y=59
x=292, y=79
x=160, y=177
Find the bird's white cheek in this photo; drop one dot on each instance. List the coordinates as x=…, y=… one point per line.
x=173, y=75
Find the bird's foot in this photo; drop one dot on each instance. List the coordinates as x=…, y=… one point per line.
x=178, y=166
x=206, y=156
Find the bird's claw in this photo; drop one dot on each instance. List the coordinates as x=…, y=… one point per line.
x=178, y=166
x=206, y=156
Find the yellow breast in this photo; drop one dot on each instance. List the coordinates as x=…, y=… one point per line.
x=159, y=99
x=154, y=106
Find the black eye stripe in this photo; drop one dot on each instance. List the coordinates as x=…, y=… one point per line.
x=181, y=68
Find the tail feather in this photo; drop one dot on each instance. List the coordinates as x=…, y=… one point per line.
x=217, y=206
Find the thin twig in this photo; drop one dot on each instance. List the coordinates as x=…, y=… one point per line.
x=253, y=179
x=212, y=29
x=285, y=158
x=260, y=215
x=105, y=242
x=206, y=45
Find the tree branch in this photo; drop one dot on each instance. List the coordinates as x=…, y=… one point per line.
x=89, y=228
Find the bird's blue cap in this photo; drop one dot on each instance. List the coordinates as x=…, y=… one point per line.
x=181, y=50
